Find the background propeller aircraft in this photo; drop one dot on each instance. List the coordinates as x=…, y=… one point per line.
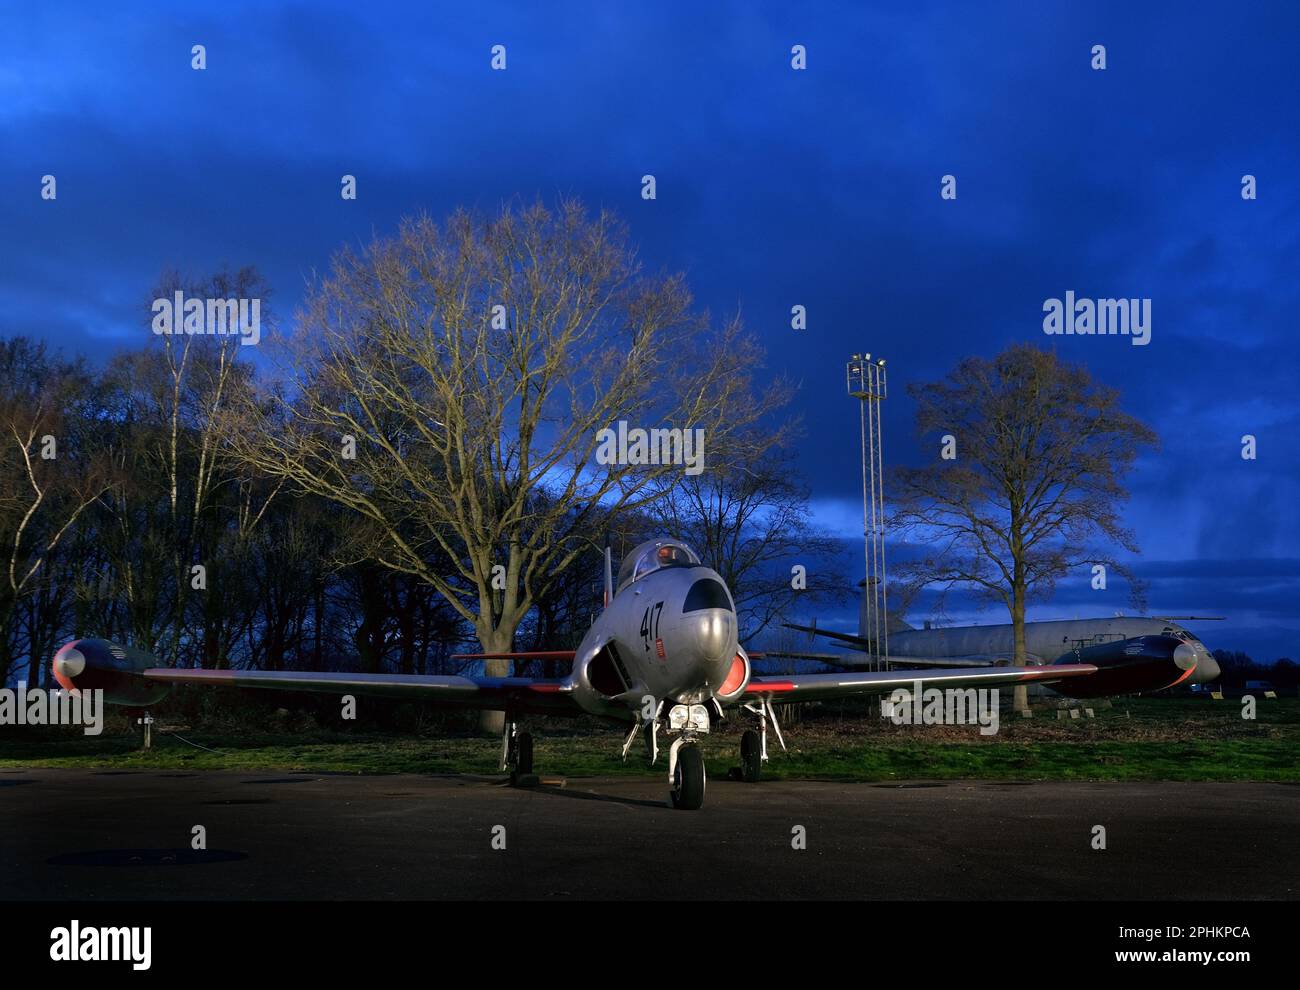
x=663, y=658
x=1135, y=653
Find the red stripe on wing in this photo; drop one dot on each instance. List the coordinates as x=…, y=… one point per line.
x=764, y=687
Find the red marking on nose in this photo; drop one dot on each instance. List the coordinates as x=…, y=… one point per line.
x=57, y=667
x=735, y=676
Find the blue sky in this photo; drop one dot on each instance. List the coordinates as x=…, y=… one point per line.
x=775, y=188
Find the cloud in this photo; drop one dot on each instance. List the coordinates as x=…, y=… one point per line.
x=776, y=188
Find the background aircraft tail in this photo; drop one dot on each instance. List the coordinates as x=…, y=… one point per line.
x=895, y=623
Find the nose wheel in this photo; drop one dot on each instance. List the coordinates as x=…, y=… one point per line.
x=687, y=776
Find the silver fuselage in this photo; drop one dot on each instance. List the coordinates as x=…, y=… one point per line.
x=667, y=635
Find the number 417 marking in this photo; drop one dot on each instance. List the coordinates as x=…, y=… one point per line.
x=650, y=624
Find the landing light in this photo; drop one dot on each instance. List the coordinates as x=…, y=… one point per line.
x=693, y=718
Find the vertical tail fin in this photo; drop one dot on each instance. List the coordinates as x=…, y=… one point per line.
x=864, y=612
x=894, y=622
x=609, y=576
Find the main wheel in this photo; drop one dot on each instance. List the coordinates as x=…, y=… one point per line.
x=688, y=779
x=524, y=753
x=751, y=756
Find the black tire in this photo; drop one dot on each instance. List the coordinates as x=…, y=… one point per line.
x=524, y=753
x=751, y=756
x=688, y=779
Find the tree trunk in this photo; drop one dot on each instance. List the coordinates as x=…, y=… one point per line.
x=498, y=640
x=1020, y=694
x=319, y=629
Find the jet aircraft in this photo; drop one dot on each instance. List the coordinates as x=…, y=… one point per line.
x=1136, y=650
x=663, y=660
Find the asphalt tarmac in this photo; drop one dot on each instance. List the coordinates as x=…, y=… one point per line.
x=97, y=835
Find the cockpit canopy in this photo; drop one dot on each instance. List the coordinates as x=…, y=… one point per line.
x=653, y=555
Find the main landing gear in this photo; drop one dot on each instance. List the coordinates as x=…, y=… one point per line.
x=751, y=756
x=753, y=743
x=516, y=751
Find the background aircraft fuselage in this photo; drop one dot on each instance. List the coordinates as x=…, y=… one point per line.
x=1048, y=640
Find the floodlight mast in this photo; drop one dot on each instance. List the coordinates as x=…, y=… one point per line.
x=867, y=382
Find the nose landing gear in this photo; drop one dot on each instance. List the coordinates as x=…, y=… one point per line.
x=686, y=774
x=686, y=777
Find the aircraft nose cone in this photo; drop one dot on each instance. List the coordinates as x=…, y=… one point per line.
x=1208, y=668
x=1184, y=656
x=715, y=635
x=68, y=664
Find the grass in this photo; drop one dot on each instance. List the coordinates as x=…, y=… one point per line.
x=1138, y=739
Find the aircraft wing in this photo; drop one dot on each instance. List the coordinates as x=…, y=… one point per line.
x=957, y=662
x=838, y=659
x=847, y=659
x=861, y=642
x=964, y=660
x=815, y=687
x=521, y=694
x=519, y=655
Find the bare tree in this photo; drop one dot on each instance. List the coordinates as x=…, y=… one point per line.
x=48, y=477
x=1034, y=489
x=470, y=366
x=201, y=373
